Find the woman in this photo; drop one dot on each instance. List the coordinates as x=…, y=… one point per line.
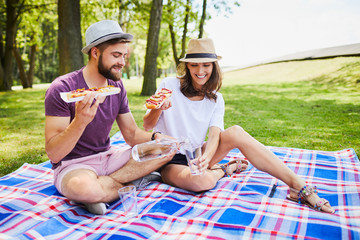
x=197, y=108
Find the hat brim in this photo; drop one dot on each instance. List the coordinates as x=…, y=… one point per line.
x=125, y=36
x=200, y=60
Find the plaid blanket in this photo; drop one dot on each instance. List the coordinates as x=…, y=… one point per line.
x=240, y=206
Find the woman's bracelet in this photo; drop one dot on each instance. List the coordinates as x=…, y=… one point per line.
x=153, y=135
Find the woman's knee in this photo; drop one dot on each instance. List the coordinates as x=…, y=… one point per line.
x=187, y=181
x=203, y=184
x=236, y=130
x=233, y=133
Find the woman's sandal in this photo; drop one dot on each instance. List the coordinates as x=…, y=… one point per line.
x=225, y=167
x=303, y=195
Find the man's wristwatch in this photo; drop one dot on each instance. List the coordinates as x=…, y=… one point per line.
x=153, y=135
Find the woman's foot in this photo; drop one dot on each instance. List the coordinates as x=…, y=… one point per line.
x=235, y=166
x=308, y=195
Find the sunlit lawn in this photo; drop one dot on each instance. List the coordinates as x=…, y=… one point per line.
x=313, y=114
x=300, y=115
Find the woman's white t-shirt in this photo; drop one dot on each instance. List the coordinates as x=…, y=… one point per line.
x=190, y=119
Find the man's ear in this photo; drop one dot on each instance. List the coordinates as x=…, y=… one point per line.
x=94, y=52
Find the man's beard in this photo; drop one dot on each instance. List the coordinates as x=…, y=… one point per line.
x=106, y=72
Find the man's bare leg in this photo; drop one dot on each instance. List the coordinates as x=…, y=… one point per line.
x=83, y=185
x=133, y=170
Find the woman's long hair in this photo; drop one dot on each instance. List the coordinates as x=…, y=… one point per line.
x=209, y=89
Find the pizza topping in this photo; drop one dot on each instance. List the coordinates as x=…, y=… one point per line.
x=79, y=94
x=156, y=100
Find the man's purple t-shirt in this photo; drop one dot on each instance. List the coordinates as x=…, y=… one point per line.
x=96, y=137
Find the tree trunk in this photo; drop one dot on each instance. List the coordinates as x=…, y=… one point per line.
x=11, y=17
x=1, y=50
x=26, y=78
x=186, y=21
x=173, y=43
x=1, y=75
x=150, y=69
x=172, y=33
x=21, y=69
x=121, y=16
x=202, y=20
x=69, y=36
x=30, y=73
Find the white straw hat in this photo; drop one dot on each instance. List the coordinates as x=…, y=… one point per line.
x=200, y=50
x=103, y=31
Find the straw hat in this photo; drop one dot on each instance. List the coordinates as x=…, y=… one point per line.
x=103, y=31
x=200, y=50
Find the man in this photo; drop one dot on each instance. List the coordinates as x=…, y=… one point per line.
x=86, y=168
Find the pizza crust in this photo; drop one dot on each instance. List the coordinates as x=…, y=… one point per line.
x=79, y=94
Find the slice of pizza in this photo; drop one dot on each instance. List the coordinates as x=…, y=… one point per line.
x=166, y=92
x=79, y=94
x=156, y=100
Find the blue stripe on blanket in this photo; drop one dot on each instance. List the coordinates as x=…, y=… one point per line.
x=238, y=207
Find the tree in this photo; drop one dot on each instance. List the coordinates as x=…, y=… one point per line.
x=202, y=19
x=124, y=19
x=69, y=36
x=26, y=77
x=180, y=17
x=6, y=62
x=127, y=12
x=150, y=69
x=39, y=40
x=28, y=37
x=47, y=60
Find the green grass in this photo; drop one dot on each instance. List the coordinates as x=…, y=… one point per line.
x=22, y=129
x=304, y=104
x=300, y=115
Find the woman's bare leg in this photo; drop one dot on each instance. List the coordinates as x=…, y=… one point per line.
x=180, y=176
x=262, y=158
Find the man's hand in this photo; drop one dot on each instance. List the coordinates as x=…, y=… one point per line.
x=61, y=135
x=85, y=110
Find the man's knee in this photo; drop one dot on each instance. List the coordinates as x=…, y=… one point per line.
x=81, y=188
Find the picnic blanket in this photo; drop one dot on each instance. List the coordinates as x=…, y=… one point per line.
x=242, y=206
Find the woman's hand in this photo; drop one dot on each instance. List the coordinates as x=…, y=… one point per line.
x=203, y=163
x=152, y=117
x=166, y=105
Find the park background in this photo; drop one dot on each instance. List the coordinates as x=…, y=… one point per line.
x=311, y=104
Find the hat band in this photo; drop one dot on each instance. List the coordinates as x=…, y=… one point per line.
x=104, y=36
x=201, y=55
